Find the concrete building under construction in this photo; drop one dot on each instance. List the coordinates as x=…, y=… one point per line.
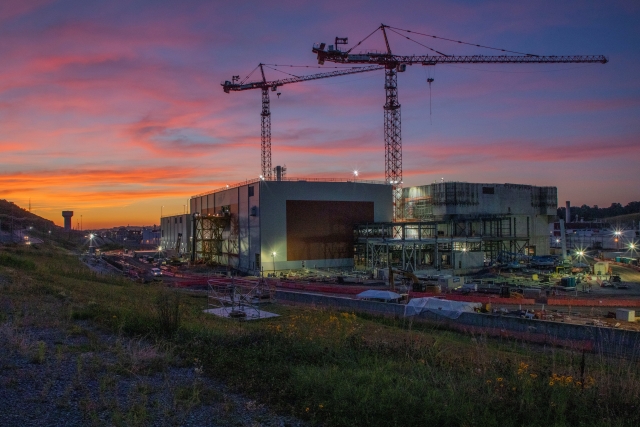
x=459, y=225
x=264, y=226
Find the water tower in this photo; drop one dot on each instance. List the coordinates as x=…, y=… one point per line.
x=67, y=219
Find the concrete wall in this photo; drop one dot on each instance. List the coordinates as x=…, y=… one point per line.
x=273, y=197
x=249, y=227
x=531, y=208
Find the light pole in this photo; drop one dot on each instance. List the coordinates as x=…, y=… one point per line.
x=617, y=238
x=273, y=256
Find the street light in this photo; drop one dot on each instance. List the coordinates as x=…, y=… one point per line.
x=617, y=235
x=273, y=256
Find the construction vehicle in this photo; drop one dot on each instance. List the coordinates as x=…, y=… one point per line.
x=395, y=64
x=406, y=276
x=416, y=284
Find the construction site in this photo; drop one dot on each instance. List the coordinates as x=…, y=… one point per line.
x=470, y=242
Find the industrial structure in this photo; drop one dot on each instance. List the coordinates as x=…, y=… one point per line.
x=394, y=63
x=459, y=225
x=267, y=226
x=67, y=215
x=175, y=233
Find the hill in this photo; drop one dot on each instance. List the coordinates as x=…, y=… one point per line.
x=10, y=212
x=14, y=218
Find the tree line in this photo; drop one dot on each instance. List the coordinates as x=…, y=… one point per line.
x=588, y=213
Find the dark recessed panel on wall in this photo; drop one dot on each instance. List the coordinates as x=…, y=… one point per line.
x=323, y=229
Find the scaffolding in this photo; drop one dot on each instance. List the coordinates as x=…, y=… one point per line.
x=239, y=298
x=215, y=238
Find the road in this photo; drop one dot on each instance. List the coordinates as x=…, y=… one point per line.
x=626, y=274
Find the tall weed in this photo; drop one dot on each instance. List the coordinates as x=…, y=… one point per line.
x=167, y=305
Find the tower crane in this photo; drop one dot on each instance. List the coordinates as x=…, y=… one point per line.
x=398, y=63
x=265, y=136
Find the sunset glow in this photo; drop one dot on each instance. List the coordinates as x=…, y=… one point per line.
x=114, y=109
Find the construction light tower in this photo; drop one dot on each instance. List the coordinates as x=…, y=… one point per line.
x=398, y=63
x=264, y=85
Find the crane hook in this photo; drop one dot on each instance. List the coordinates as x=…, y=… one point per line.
x=430, y=80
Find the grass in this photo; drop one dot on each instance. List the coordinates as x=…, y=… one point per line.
x=326, y=367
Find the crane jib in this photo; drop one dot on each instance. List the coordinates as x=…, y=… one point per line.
x=384, y=59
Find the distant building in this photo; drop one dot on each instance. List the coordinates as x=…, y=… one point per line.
x=174, y=234
x=150, y=236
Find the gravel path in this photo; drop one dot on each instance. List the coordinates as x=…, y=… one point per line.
x=76, y=375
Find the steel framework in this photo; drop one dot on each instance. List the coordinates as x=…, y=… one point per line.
x=239, y=298
x=265, y=136
x=397, y=63
x=415, y=245
x=208, y=237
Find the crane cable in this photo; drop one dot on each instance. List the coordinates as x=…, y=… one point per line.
x=423, y=45
x=249, y=75
x=360, y=42
x=430, y=80
x=280, y=71
x=461, y=42
x=308, y=66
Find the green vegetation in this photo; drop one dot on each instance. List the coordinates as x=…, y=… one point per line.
x=17, y=262
x=330, y=368
x=592, y=213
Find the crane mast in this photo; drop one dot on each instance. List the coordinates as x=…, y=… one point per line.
x=265, y=115
x=398, y=63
